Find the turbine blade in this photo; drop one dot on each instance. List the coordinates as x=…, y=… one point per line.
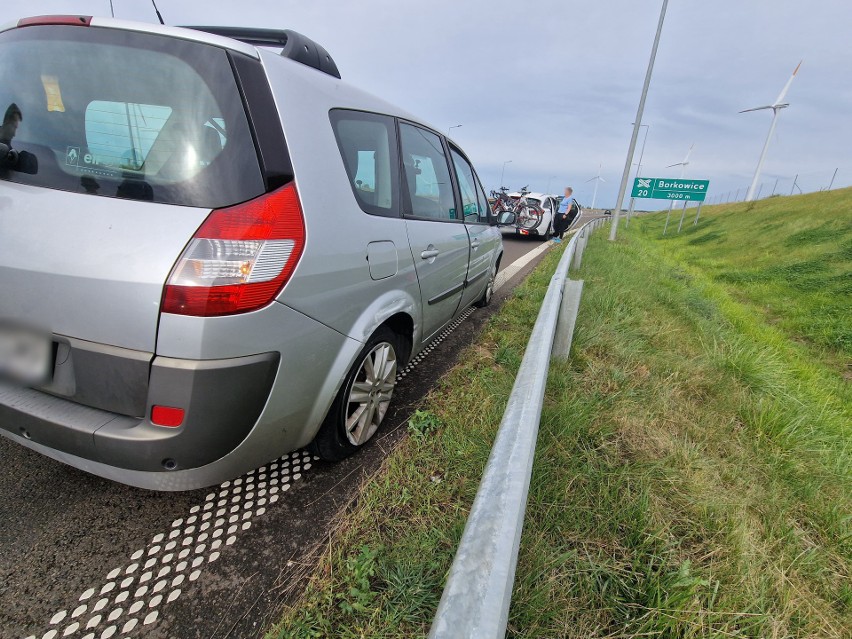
x=686, y=159
x=769, y=106
x=787, y=86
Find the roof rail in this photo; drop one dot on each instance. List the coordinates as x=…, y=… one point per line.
x=295, y=45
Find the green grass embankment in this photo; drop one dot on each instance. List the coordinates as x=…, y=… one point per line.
x=694, y=470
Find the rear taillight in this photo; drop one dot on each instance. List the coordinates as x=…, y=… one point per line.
x=240, y=258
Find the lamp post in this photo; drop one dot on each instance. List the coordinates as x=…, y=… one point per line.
x=638, y=169
x=629, y=162
x=502, y=173
x=455, y=126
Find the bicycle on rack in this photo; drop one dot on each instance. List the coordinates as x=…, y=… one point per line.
x=525, y=213
x=502, y=202
x=533, y=215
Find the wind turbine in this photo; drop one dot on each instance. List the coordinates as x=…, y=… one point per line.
x=682, y=166
x=685, y=162
x=598, y=179
x=776, y=107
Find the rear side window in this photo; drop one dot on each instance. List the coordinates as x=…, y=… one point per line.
x=367, y=143
x=127, y=115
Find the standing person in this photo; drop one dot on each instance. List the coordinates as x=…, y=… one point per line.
x=562, y=215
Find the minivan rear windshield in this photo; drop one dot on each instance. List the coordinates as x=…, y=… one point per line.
x=124, y=114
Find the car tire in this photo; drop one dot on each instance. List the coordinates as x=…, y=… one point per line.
x=363, y=399
x=488, y=293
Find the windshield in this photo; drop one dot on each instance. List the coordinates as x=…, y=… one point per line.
x=126, y=115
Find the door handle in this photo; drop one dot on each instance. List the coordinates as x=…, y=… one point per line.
x=430, y=254
x=475, y=244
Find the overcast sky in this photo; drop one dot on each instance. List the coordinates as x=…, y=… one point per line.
x=553, y=85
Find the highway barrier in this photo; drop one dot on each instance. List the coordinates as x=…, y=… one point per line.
x=476, y=597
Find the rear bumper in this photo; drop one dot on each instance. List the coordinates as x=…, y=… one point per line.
x=222, y=399
x=519, y=232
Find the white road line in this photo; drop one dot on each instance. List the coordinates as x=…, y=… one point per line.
x=510, y=271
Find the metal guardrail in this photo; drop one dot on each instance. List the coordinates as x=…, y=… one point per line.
x=476, y=598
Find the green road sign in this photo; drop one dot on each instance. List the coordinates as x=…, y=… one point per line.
x=670, y=189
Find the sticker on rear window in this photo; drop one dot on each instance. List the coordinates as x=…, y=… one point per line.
x=52, y=93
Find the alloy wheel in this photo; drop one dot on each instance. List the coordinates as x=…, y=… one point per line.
x=371, y=393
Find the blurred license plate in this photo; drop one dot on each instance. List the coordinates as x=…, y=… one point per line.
x=25, y=355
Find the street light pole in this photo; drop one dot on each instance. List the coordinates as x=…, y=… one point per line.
x=504, y=171
x=638, y=170
x=638, y=121
x=456, y=126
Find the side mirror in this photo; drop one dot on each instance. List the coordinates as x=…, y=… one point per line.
x=507, y=218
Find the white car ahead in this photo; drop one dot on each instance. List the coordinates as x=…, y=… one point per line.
x=536, y=220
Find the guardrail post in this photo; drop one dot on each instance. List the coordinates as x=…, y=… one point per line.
x=578, y=250
x=567, y=318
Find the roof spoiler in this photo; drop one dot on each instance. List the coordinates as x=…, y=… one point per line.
x=295, y=45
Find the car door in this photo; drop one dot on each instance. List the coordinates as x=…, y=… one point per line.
x=484, y=239
x=550, y=214
x=436, y=232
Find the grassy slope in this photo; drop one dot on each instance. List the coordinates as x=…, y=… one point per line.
x=791, y=257
x=693, y=473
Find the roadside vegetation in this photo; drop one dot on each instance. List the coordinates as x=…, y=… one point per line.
x=694, y=470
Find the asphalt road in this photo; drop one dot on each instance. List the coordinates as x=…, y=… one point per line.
x=85, y=558
x=515, y=248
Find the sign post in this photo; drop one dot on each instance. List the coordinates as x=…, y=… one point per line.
x=682, y=215
x=697, y=213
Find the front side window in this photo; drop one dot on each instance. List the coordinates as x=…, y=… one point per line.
x=367, y=144
x=128, y=115
x=474, y=202
x=427, y=176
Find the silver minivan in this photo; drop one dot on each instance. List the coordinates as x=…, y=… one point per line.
x=213, y=252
